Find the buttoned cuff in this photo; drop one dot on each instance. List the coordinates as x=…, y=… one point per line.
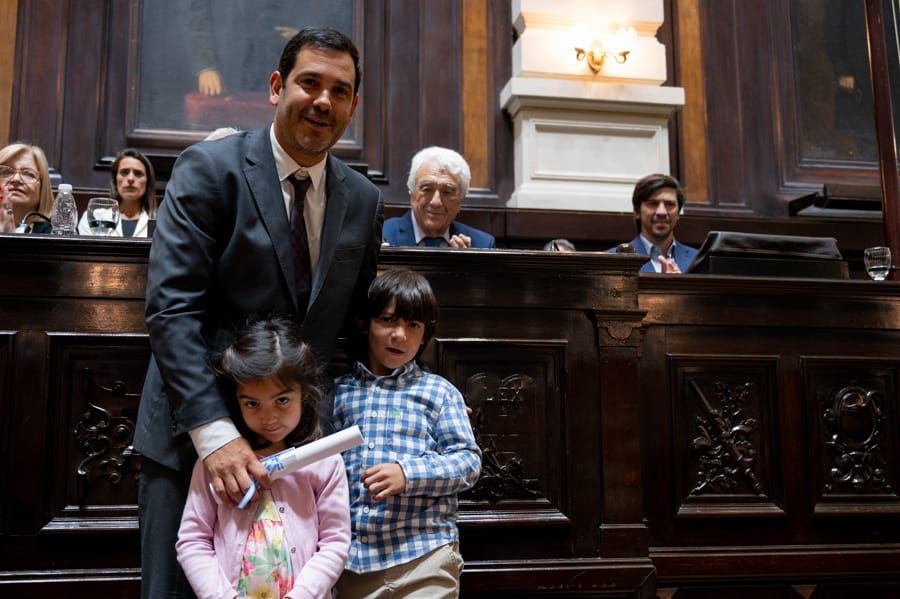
x=211, y=436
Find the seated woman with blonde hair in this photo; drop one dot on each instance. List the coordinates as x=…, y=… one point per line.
x=24, y=189
x=134, y=186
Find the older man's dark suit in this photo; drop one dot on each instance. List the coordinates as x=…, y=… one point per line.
x=222, y=250
x=399, y=231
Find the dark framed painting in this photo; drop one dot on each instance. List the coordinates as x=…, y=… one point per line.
x=198, y=65
x=833, y=98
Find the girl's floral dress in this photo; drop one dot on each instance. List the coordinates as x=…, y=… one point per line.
x=266, y=571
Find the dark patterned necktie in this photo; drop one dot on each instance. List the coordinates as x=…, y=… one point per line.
x=302, y=268
x=434, y=242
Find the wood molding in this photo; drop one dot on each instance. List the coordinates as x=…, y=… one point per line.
x=8, y=23
x=475, y=91
x=689, y=48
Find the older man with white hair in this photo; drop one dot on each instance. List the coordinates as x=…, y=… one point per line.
x=438, y=181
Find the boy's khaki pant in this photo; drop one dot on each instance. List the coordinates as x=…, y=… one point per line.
x=435, y=575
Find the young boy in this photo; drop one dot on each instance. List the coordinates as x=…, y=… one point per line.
x=419, y=452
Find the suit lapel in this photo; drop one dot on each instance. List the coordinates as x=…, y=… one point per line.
x=335, y=210
x=262, y=178
x=639, y=247
x=681, y=257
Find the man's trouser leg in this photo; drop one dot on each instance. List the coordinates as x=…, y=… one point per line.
x=162, y=493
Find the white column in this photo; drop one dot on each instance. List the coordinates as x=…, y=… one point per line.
x=583, y=139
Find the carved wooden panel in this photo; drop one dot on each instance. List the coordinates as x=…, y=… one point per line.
x=96, y=383
x=725, y=436
x=852, y=408
x=515, y=390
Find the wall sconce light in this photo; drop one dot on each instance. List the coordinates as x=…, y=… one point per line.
x=597, y=54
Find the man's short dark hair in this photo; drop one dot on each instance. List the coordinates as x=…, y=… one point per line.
x=645, y=188
x=324, y=39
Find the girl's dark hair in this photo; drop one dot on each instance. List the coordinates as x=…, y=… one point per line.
x=414, y=299
x=148, y=200
x=272, y=347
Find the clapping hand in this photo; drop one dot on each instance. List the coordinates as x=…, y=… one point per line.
x=669, y=265
x=7, y=220
x=460, y=241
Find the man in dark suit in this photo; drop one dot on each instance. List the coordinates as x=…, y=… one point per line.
x=256, y=222
x=657, y=201
x=438, y=181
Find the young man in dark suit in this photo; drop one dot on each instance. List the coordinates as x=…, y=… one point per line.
x=256, y=222
x=438, y=182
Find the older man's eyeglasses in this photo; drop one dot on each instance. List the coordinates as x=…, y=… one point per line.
x=28, y=176
x=447, y=192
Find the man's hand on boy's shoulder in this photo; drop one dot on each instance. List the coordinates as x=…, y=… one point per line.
x=384, y=480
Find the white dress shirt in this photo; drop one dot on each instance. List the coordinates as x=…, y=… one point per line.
x=314, y=206
x=649, y=246
x=420, y=234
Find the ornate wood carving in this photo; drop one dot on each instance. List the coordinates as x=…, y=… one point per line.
x=514, y=389
x=725, y=436
x=855, y=423
x=95, y=390
x=851, y=406
x=502, y=473
x=620, y=333
x=724, y=444
x=104, y=439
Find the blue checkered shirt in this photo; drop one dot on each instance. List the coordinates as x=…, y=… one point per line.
x=419, y=421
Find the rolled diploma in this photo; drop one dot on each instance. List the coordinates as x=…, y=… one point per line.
x=291, y=460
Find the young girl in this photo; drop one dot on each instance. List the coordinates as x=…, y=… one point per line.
x=294, y=541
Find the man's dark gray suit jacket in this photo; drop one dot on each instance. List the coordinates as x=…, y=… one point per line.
x=222, y=250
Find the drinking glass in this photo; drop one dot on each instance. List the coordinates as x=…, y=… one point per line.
x=103, y=216
x=878, y=262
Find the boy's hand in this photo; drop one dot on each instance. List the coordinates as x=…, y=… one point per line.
x=384, y=480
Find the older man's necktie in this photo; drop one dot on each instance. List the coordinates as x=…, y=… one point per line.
x=302, y=268
x=434, y=242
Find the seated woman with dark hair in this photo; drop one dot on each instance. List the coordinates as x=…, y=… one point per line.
x=24, y=188
x=134, y=186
